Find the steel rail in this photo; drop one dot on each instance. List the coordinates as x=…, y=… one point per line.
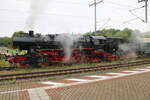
x=31, y=75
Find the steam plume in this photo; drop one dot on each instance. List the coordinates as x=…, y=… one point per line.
x=36, y=8
x=127, y=50
x=67, y=41
x=135, y=43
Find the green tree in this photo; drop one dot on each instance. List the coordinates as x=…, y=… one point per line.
x=122, y=34
x=5, y=41
x=125, y=33
x=17, y=34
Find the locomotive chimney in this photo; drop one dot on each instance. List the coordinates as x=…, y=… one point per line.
x=31, y=33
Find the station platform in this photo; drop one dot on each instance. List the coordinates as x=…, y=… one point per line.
x=122, y=85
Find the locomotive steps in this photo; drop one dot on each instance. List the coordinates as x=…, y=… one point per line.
x=41, y=74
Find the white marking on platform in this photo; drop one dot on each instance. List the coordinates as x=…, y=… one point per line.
x=118, y=74
x=38, y=94
x=75, y=79
x=130, y=71
x=101, y=77
x=142, y=69
x=52, y=83
x=5, y=92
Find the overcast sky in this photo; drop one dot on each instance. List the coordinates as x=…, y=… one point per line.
x=59, y=16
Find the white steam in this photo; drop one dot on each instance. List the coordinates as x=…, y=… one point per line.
x=67, y=41
x=135, y=44
x=127, y=50
x=137, y=37
x=37, y=7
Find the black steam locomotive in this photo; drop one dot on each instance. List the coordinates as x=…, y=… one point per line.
x=56, y=49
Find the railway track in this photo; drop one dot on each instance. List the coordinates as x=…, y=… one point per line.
x=32, y=75
x=7, y=68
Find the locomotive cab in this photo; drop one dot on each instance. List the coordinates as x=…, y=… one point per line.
x=112, y=44
x=98, y=42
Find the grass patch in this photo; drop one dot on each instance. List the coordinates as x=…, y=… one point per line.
x=4, y=63
x=52, y=78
